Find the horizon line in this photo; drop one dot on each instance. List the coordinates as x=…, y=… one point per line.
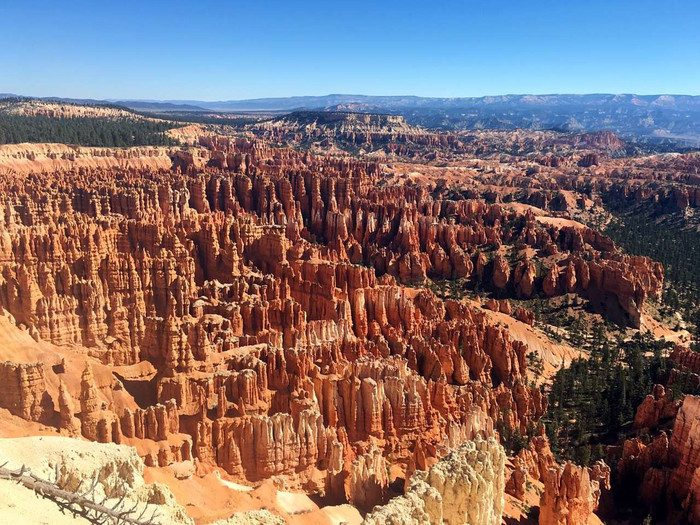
x=433, y=97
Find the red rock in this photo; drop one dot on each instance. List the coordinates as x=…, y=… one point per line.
x=68, y=421
x=655, y=407
x=570, y=496
x=524, y=315
x=23, y=391
x=262, y=308
x=501, y=272
x=368, y=483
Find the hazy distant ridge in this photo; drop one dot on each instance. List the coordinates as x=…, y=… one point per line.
x=650, y=117
x=412, y=102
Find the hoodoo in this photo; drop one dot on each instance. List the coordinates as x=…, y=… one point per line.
x=345, y=309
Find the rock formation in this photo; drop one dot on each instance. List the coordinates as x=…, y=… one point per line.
x=274, y=313
x=466, y=486
x=667, y=471
x=571, y=494
x=655, y=408
x=23, y=391
x=530, y=464
x=116, y=470
x=271, y=350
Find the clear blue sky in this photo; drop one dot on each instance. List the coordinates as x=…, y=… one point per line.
x=219, y=50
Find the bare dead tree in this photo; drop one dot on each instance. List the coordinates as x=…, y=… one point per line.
x=83, y=504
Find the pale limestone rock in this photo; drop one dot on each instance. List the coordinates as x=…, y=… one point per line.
x=252, y=517
x=466, y=486
x=118, y=469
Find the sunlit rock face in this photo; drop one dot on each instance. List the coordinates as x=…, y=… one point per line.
x=273, y=313
x=571, y=493
x=466, y=486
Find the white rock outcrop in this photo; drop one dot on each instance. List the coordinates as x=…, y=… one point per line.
x=252, y=517
x=465, y=487
x=118, y=469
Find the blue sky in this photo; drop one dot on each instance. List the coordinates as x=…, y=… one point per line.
x=217, y=50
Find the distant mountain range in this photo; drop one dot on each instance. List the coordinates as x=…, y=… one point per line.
x=412, y=102
x=646, y=117
x=654, y=118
